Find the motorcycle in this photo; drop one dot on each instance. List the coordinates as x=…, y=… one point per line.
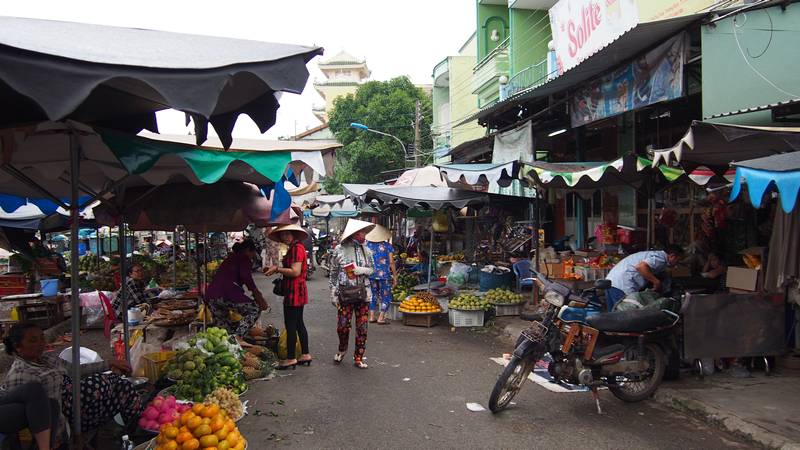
x=322, y=252
x=625, y=351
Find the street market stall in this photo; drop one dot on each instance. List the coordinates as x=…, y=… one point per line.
x=88, y=77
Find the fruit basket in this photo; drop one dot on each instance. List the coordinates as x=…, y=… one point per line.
x=505, y=302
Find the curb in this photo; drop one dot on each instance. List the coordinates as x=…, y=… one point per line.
x=682, y=403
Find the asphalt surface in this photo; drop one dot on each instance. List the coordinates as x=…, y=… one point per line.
x=415, y=392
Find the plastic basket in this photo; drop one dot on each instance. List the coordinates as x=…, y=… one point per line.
x=461, y=318
x=154, y=363
x=491, y=281
x=508, y=310
x=394, y=311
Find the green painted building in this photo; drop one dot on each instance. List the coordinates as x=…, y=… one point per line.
x=751, y=60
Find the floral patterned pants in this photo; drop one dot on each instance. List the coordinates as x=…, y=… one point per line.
x=381, y=294
x=103, y=395
x=343, y=325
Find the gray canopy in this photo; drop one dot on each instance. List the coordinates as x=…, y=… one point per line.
x=717, y=145
x=119, y=77
x=435, y=198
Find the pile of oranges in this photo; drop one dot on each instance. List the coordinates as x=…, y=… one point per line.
x=205, y=426
x=419, y=304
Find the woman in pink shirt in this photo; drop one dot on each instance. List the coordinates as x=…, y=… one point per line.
x=226, y=292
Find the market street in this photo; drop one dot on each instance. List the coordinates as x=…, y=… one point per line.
x=415, y=392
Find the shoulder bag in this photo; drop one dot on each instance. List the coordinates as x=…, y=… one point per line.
x=349, y=295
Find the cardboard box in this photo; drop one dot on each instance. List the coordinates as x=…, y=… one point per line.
x=553, y=270
x=743, y=279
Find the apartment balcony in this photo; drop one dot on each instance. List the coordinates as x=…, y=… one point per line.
x=527, y=78
x=487, y=72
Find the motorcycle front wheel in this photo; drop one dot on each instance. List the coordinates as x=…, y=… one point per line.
x=510, y=382
x=641, y=388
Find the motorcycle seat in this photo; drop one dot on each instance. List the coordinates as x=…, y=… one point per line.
x=632, y=321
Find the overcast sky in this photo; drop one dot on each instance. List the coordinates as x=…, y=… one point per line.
x=407, y=37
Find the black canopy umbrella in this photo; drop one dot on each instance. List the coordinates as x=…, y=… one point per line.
x=119, y=77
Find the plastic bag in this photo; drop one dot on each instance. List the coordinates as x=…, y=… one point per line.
x=282, y=348
x=92, y=309
x=139, y=349
x=458, y=275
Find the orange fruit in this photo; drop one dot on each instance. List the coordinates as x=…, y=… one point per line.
x=209, y=441
x=217, y=423
x=170, y=431
x=198, y=408
x=230, y=425
x=206, y=420
x=192, y=444
x=194, y=422
x=232, y=439
x=183, y=437
x=223, y=445
x=221, y=434
x=240, y=445
x=170, y=445
x=186, y=416
x=202, y=430
x=211, y=410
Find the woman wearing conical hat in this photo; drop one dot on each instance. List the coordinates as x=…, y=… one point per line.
x=351, y=266
x=382, y=280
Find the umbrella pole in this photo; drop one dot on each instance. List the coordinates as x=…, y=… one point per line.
x=206, y=252
x=174, y=259
x=430, y=260
x=75, y=286
x=123, y=270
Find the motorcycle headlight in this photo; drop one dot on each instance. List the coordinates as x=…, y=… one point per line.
x=554, y=298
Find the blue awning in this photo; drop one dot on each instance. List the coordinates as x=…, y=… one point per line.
x=781, y=171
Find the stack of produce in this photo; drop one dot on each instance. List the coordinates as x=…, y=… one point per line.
x=421, y=303
x=407, y=281
x=503, y=297
x=451, y=258
x=205, y=426
x=100, y=272
x=160, y=411
x=228, y=401
x=469, y=302
x=211, y=361
x=254, y=367
x=185, y=275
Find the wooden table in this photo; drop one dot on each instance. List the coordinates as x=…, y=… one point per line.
x=35, y=308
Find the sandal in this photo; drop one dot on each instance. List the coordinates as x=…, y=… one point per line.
x=337, y=358
x=360, y=364
x=385, y=322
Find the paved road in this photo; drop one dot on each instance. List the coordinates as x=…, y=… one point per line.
x=415, y=392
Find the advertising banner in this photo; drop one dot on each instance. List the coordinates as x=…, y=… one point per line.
x=582, y=27
x=654, y=77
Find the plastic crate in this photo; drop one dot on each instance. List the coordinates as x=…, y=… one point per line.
x=154, y=363
x=591, y=273
x=462, y=318
x=508, y=310
x=393, y=313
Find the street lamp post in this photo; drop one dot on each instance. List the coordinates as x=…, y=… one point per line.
x=363, y=127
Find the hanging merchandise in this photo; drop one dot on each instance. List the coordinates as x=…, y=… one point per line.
x=440, y=222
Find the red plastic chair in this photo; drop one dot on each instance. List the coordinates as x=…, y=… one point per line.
x=110, y=318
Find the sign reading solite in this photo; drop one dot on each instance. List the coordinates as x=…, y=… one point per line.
x=582, y=27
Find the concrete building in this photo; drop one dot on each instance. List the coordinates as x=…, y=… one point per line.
x=343, y=74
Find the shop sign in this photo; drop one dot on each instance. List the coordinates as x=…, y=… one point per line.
x=655, y=10
x=582, y=27
x=654, y=77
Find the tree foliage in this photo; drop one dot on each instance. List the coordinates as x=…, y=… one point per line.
x=387, y=106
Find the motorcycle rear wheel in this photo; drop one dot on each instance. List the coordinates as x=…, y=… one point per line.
x=509, y=383
x=636, y=391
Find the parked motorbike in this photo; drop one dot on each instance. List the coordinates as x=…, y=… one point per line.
x=323, y=248
x=589, y=346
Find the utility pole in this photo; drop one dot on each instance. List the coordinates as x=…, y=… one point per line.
x=417, y=120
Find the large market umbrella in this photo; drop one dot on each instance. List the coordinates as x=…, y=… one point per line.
x=119, y=77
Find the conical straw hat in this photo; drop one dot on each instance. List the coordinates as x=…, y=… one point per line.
x=299, y=233
x=353, y=226
x=379, y=234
